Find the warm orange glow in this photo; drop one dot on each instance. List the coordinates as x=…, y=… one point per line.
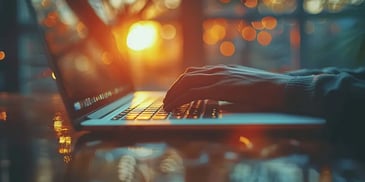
x=64, y=138
x=325, y=174
x=250, y=3
x=295, y=37
x=142, y=35
x=269, y=22
x=106, y=58
x=51, y=19
x=3, y=115
x=264, y=38
x=81, y=30
x=2, y=55
x=168, y=32
x=248, y=33
x=257, y=25
x=210, y=39
x=214, y=31
x=247, y=142
x=227, y=48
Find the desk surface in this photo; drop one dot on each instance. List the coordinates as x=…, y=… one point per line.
x=37, y=143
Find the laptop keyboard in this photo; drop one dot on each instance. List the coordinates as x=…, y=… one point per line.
x=153, y=110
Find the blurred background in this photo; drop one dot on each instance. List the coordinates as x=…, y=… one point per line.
x=166, y=36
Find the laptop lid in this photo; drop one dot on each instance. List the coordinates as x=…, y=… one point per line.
x=90, y=70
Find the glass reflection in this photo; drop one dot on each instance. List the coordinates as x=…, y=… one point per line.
x=270, y=160
x=62, y=131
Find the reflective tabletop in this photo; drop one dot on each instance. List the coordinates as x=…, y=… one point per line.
x=37, y=143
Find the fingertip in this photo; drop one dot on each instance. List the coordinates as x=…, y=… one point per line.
x=167, y=108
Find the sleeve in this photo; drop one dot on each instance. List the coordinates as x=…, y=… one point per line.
x=338, y=96
x=330, y=94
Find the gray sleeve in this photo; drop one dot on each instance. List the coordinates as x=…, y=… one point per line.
x=328, y=95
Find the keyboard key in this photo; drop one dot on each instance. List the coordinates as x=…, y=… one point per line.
x=144, y=117
x=195, y=110
x=211, y=109
x=159, y=117
x=153, y=110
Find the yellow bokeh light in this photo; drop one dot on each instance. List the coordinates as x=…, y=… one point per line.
x=214, y=31
x=227, y=48
x=257, y=25
x=269, y=22
x=281, y=6
x=2, y=55
x=335, y=5
x=313, y=6
x=172, y=4
x=142, y=35
x=218, y=30
x=209, y=39
x=168, y=32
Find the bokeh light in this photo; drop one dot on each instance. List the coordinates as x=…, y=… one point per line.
x=250, y=3
x=269, y=22
x=313, y=6
x=281, y=6
x=168, y=32
x=172, y=4
x=2, y=55
x=142, y=35
x=3, y=115
x=335, y=5
x=264, y=38
x=257, y=25
x=214, y=31
x=248, y=33
x=227, y=48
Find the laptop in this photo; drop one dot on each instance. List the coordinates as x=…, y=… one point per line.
x=96, y=82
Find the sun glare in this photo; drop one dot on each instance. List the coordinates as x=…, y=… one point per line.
x=142, y=35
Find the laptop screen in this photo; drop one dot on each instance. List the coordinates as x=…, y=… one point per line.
x=89, y=69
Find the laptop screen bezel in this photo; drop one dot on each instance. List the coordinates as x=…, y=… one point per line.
x=85, y=13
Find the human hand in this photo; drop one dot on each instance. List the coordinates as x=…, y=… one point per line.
x=259, y=89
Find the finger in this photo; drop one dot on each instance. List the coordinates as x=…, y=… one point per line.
x=202, y=69
x=189, y=70
x=189, y=81
x=190, y=95
x=195, y=71
x=216, y=91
